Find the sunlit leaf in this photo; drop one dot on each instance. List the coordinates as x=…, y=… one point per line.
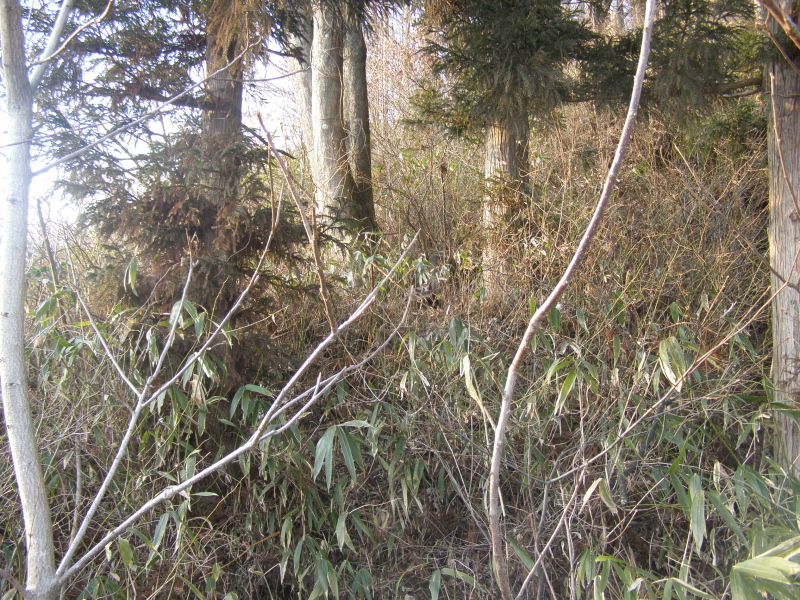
x=125, y=551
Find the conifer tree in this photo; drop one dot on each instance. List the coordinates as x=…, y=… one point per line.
x=141, y=55
x=503, y=61
x=697, y=47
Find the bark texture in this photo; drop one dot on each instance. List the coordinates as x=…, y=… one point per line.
x=300, y=67
x=222, y=124
x=359, y=144
x=506, y=172
x=13, y=371
x=333, y=181
x=784, y=238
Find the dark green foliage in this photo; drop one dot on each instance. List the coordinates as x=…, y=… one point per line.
x=697, y=46
x=170, y=198
x=127, y=64
x=148, y=188
x=734, y=129
x=498, y=59
x=116, y=68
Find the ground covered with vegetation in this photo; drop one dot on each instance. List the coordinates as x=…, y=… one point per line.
x=636, y=462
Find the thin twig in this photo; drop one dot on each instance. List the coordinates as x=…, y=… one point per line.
x=48, y=248
x=120, y=371
x=64, y=572
x=175, y=317
x=561, y=521
x=14, y=583
x=495, y=527
x=310, y=228
x=76, y=513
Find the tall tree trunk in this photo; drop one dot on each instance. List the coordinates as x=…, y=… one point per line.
x=13, y=371
x=784, y=238
x=333, y=181
x=506, y=172
x=359, y=145
x=222, y=124
x=300, y=67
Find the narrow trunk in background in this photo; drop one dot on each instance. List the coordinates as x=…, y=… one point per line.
x=222, y=124
x=506, y=172
x=300, y=68
x=13, y=370
x=784, y=237
x=333, y=181
x=359, y=145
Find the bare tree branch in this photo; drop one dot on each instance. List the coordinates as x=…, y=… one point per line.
x=143, y=400
x=98, y=19
x=65, y=572
x=498, y=544
x=52, y=42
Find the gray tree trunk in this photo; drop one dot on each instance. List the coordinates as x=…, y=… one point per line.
x=13, y=371
x=333, y=181
x=784, y=238
x=222, y=124
x=359, y=145
x=300, y=68
x=506, y=172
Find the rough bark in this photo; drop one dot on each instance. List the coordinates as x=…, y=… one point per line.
x=222, y=124
x=784, y=237
x=506, y=172
x=13, y=371
x=333, y=181
x=300, y=67
x=359, y=145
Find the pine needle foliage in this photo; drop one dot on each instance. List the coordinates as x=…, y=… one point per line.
x=498, y=59
x=697, y=46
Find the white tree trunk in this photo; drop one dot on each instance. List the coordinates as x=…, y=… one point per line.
x=13, y=372
x=333, y=181
x=506, y=172
x=784, y=238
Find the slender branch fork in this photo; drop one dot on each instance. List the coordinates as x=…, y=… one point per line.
x=49, y=55
x=280, y=405
x=498, y=545
x=52, y=42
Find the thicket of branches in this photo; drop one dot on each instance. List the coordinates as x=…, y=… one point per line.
x=236, y=398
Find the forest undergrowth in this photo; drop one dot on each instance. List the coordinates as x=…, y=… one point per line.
x=635, y=465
